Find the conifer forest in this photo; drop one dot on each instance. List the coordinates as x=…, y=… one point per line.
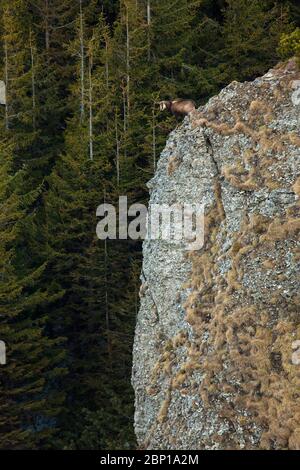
x=80, y=125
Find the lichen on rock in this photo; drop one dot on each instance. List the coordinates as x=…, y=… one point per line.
x=214, y=365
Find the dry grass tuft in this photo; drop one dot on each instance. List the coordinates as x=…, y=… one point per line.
x=173, y=164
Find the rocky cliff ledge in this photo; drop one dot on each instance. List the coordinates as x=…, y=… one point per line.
x=217, y=346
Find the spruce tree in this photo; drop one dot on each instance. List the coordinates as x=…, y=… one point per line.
x=251, y=35
x=34, y=360
x=94, y=314
x=290, y=44
x=28, y=407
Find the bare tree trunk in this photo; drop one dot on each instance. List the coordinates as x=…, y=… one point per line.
x=149, y=26
x=117, y=149
x=81, y=63
x=47, y=31
x=149, y=12
x=33, y=82
x=154, y=138
x=124, y=108
x=127, y=60
x=107, y=318
x=91, y=108
x=6, y=85
x=106, y=63
x=125, y=123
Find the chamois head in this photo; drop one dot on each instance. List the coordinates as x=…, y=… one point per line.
x=163, y=105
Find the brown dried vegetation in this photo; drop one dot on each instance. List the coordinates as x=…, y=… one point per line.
x=246, y=356
x=173, y=164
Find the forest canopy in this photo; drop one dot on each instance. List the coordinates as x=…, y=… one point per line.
x=81, y=125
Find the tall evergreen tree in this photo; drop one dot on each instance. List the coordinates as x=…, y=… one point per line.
x=95, y=313
x=34, y=359
x=290, y=44
x=28, y=407
x=247, y=25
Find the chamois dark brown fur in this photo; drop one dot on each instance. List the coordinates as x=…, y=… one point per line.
x=178, y=107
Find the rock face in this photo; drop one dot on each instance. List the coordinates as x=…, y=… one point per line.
x=217, y=345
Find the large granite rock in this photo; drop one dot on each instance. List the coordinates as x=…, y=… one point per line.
x=216, y=353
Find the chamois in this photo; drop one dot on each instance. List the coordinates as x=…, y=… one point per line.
x=178, y=107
